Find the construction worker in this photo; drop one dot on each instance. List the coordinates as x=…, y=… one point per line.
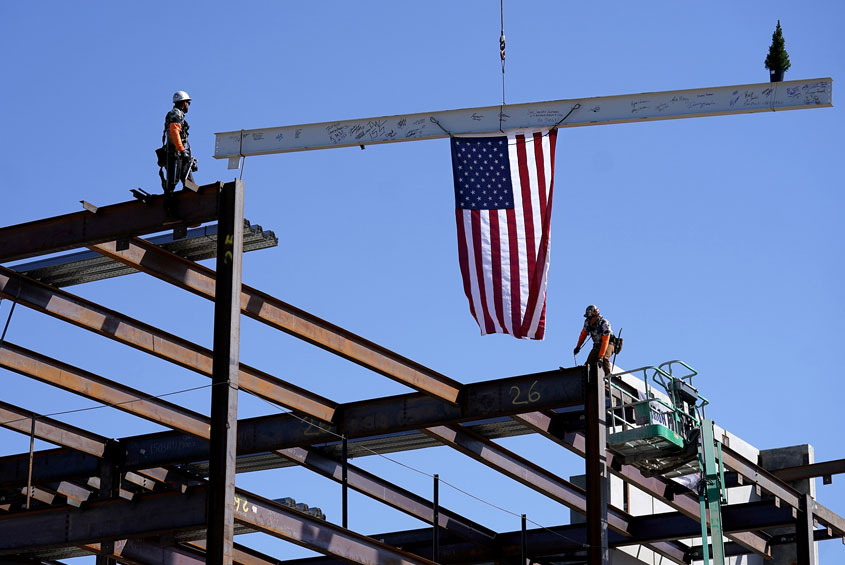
x=179, y=163
x=598, y=328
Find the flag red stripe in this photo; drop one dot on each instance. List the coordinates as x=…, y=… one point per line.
x=463, y=259
x=496, y=253
x=476, y=245
x=527, y=211
x=516, y=318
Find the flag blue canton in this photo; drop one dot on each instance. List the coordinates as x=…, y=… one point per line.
x=481, y=169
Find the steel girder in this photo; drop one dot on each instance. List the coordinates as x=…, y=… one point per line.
x=188, y=275
x=126, y=219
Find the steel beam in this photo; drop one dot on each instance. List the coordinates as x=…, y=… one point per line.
x=824, y=469
x=650, y=106
x=224, y=394
x=390, y=494
x=108, y=323
x=160, y=263
x=47, y=429
x=126, y=219
x=94, y=387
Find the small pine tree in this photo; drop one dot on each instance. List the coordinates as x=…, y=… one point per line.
x=778, y=58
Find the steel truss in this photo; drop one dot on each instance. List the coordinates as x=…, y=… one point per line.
x=155, y=498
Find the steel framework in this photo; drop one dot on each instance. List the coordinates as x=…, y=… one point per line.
x=170, y=497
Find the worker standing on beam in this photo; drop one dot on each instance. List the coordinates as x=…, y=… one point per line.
x=604, y=342
x=179, y=162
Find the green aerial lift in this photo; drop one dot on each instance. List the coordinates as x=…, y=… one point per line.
x=671, y=437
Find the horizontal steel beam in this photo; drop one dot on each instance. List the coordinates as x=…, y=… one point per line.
x=94, y=387
x=801, y=472
x=377, y=417
x=116, y=221
x=111, y=324
x=180, y=513
x=55, y=432
x=673, y=104
x=188, y=275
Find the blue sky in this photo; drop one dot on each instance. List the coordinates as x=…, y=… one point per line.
x=713, y=240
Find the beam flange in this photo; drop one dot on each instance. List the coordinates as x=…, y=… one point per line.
x=673, y=104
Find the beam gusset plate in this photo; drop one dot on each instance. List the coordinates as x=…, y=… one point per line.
x=188, y=275
x=673, y=104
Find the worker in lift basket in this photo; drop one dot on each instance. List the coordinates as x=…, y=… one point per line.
x=598, y=328
x=179, y=162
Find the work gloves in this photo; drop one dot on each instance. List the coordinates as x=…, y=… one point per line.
x=184, y=154
x=576, y=350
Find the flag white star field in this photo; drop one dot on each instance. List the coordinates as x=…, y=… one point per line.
x=503, y=208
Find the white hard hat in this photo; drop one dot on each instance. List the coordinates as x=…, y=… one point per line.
x=181, y=96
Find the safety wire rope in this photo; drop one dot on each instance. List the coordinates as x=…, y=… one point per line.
x=421, y=472
x=502, y=57
x=115, y=404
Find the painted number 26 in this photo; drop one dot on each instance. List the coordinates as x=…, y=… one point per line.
x=530, y=397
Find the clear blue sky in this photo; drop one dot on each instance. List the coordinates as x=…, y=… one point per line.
x=715, y=240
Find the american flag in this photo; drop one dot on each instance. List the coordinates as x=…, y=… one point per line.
x=503, y=208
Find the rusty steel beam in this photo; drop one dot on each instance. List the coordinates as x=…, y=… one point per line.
x=113, y=325
x=520, y=469
x=824, y=469
x=551, y=426
x=47, y=429
x=126, y=219
x=390, y=494
x=94, y=387
x=153, y=260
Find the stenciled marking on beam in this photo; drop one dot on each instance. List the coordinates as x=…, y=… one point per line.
x=672, y=104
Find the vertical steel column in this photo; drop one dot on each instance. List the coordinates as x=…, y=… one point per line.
x=524, y=541
x=804, y=542
x=345, y=484
x=224, y=393
x=596, y=465
x=435, y=552
x=109, y=488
